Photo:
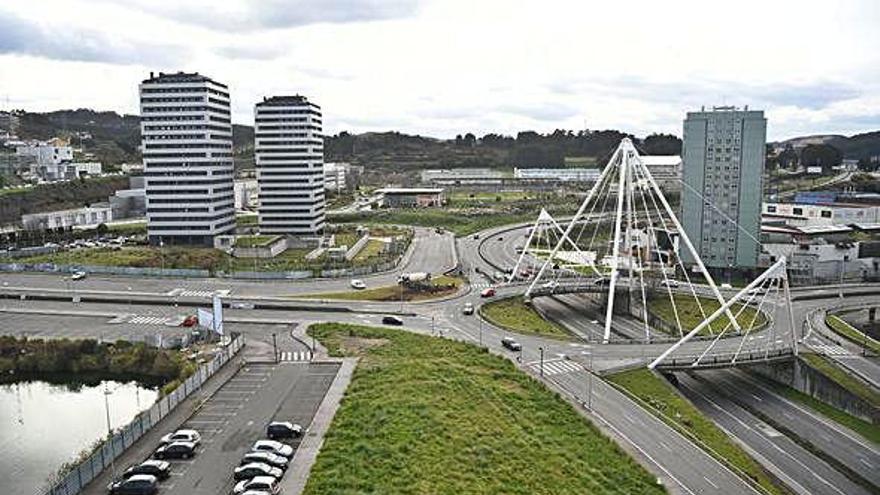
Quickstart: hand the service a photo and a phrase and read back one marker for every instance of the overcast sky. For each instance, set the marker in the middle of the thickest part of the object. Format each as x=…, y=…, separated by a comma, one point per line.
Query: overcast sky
x=443, y=67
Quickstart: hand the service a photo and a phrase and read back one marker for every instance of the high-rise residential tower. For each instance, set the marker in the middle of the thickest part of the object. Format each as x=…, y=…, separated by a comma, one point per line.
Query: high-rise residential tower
x=723, y=162
x=289, y=152
x=186, y=141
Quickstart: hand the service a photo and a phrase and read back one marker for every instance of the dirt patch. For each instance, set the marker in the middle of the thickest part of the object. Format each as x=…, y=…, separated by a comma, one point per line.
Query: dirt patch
x=356, y=346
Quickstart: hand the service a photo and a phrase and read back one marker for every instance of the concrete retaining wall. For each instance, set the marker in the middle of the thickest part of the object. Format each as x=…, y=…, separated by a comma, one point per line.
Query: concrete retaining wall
x=801, y=376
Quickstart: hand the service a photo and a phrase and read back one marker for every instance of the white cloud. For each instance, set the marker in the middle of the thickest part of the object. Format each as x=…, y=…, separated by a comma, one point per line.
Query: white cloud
x=443, y=67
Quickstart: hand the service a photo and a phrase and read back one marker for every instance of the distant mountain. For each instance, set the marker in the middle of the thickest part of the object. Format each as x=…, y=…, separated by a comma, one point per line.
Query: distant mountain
x=114, y=138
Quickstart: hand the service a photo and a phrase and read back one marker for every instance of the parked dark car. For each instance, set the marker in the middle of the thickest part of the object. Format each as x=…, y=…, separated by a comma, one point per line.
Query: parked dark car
x=176, y=450
x=392, y=320
x=269, y=458
x=255, y=469
x=160, y=469
x=511, y=344
x=283, y=429
x=139, y=484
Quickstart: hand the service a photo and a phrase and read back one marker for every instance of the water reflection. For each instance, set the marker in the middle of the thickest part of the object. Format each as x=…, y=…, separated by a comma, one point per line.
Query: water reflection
x=43, y=425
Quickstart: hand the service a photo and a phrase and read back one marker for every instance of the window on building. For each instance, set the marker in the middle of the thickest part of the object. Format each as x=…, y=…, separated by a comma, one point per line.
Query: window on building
x=826, y=213
x=797, y=211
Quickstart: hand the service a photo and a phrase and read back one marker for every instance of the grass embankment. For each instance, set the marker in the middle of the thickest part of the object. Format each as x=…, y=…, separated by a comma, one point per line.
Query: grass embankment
x=842, y=378
x=868, y=430
x=215, y=260
x=512, y=313
x=430, y=415
x=250, y=241
x=30, y=358
x=372, y=249
x=676, y=411
x=440, y=286
x=690, y=316
x=851, y=333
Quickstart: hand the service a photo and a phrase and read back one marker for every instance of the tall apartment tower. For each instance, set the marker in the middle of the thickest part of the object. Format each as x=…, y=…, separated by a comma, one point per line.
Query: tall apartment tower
x=723, y=164
x=186, y=141
x=289, y=151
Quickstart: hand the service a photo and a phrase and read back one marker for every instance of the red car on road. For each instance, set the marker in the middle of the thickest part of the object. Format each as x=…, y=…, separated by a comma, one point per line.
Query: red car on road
x=190, y=321
x=487, y=292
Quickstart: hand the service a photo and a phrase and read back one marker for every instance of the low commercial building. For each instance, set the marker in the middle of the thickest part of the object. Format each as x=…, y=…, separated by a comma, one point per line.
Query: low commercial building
x=558, y=174
x=399, y=197
x=246, y=194
x=817, y=214
x=78, y=217
x=462, y=177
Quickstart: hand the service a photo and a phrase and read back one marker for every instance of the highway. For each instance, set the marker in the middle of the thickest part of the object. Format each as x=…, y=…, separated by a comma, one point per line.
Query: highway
x=800, y=469
x=831, y=440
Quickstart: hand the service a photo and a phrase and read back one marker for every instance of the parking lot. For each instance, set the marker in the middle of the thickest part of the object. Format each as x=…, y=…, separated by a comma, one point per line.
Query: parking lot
x=237, y=415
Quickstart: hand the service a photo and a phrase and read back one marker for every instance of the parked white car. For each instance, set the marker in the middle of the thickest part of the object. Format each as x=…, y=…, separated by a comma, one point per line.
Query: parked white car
x=191, y=436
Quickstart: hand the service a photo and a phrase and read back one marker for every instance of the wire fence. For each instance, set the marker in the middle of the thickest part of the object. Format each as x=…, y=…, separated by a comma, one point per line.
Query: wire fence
x=74, y=480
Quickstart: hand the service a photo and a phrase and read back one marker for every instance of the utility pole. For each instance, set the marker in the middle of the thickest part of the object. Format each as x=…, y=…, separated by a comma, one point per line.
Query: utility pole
x=274, y=348
x=481, y=332
x=840, y=284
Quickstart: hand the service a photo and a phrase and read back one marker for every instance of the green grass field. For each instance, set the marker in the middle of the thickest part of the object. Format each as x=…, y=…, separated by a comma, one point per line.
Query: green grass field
x=851, y=333
x=514, y=314
x=443, y=284
x=690, y=316
x=426, y=415
x=665, y=402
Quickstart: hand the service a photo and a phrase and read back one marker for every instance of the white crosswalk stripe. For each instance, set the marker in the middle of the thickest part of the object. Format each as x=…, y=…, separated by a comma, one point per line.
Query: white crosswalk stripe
x=294, y=356
x=556, y=367
x=183, y=292
x=148, y=320
x=833, y=350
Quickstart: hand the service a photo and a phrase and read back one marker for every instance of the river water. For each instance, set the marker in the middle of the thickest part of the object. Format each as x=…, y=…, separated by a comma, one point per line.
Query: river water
x=44, y=425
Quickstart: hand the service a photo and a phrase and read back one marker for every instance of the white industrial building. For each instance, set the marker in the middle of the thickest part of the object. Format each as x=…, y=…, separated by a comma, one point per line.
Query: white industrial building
x=666, y=171
x=289, y=152
x=87, y=216
x=246, y=192
x=186, y=134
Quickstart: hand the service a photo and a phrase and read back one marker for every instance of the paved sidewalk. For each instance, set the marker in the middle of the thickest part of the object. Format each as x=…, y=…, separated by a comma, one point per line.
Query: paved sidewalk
x=294, y=482
x=144, y=447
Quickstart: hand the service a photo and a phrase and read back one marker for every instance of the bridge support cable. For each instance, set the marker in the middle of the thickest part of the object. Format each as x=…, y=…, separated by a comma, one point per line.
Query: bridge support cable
x=573, y=222
x=745, y=336
x=667, y=282
x=690, y=247
x=773, y=271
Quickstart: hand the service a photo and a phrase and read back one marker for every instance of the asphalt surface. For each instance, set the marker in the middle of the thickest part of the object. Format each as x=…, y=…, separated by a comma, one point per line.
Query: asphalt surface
x=800, y=469
x=237, y=415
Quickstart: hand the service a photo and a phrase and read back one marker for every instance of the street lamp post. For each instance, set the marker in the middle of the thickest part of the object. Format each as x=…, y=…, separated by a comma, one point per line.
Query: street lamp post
x=541, y=349
x=129, y=297
x=110, y=430
x=481, y=332
x=274, y=348
x=840, y=283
